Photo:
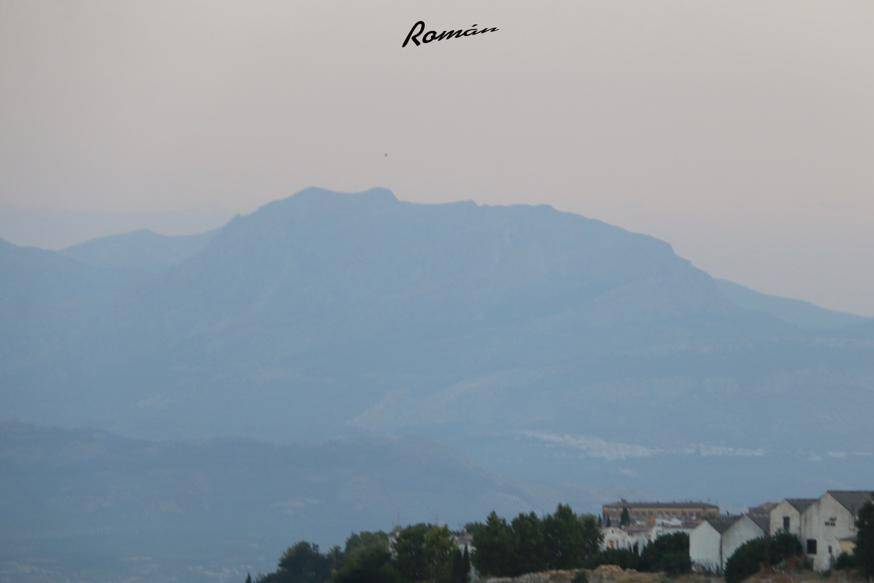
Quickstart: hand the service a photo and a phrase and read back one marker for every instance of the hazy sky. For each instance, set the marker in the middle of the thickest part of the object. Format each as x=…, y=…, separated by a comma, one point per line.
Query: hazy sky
x=741, y=131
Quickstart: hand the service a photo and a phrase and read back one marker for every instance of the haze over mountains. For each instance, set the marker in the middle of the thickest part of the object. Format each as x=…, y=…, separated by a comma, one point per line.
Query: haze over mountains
x=578, y=360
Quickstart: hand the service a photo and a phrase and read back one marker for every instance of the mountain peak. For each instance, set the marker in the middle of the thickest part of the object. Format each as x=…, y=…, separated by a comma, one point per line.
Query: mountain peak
x=375, y=194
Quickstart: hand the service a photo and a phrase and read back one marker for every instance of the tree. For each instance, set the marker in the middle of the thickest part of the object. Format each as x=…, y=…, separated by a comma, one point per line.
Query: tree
x=409, y=547
x=424, y=553
x=667, y=554
x=248, y=578
x=364, y=539
x=782, y=546
x=625, y=519
x=493, y=544
x=460, y=566
x=750, y=556
x=369, y=564
x=865, y=539
x=303, y=563
x=356, y=543
x=746, y=561
x=439, y=549
x=571, y=540
x=530, y=554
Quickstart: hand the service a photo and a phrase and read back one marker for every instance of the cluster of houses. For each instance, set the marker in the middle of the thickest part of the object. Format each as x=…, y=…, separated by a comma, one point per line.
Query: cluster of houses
x=826, y=526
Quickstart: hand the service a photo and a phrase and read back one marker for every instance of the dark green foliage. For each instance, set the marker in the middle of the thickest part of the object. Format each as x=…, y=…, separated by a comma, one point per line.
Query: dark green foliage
x=845, y=562
x=580, y=577
x=369, y=564
x=667, y=554
x=409, y=547
x=365, y=539
x=466, y=564
x=625, y=519
x=571, y=540
x=428, y=553
x=423, y=552
x=752, y=555
x=865, y=539
x=460, y=566
x=529, y=543
x=783, y=545
x=493, y=542
x=625, y=558
x=562, y=540
x=746, y=561
x=303, y=563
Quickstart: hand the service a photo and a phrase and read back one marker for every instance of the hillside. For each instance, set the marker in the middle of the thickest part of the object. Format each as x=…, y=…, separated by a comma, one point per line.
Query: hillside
x=521, y=335
x=85, y=505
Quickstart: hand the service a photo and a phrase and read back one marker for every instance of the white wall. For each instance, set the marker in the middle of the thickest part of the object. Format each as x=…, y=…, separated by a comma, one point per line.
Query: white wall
x=826, y=522
x=741, y=531
x=704, y=548
x=776, y=518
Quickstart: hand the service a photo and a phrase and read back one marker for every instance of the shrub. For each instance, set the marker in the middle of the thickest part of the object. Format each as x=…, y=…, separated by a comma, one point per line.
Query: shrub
x=750, y=556
x=746, y=561
x=580, y=577
x=668, y=554
x=845, y=562
x=625, y=558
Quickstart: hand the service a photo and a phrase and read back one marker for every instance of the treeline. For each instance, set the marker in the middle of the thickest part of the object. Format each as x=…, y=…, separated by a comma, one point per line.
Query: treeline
x=421, y=552
x=430, y=553
x=530, y=543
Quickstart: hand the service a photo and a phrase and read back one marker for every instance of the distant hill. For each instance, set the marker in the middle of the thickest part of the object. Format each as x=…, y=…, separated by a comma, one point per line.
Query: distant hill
x=84, y=505
x=139, y=251
x=547, y=346
x=800, y=313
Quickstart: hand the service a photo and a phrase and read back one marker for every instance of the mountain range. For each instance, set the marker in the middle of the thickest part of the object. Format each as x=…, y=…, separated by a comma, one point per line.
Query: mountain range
x=574, y=358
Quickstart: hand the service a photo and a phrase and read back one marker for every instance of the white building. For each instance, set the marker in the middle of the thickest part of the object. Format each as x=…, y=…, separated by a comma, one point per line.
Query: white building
x=713, y=541
x=786, y=516
x=624, y=538
x=828, y=527
x=745, y=529
x=705, y=543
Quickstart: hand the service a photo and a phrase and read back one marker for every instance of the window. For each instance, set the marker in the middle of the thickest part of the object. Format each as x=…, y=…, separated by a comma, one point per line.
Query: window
x=811, y=546
x=786, y=523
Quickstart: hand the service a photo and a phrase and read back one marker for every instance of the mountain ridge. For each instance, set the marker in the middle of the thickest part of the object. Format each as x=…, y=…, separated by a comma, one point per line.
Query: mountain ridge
x=326, y=313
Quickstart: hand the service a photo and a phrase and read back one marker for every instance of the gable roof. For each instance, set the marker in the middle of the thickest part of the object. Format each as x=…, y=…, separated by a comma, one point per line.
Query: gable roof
x=723, y=522
x=800, y=504
x=682, y=504
x=763, y=521
x=852, y=500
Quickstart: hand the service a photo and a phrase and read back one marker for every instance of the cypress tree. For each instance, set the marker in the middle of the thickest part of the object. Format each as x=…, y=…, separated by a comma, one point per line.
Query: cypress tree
x=625, y=519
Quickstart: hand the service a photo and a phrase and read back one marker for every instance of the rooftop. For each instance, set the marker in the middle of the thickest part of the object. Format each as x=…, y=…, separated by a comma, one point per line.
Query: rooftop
x=680, y=504
x=852, y=500
x=800, y=504
x=723, y=522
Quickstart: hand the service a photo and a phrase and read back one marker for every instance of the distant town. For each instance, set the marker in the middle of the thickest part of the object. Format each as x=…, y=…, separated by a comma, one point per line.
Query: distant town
x=826, y=526
x=834, y=532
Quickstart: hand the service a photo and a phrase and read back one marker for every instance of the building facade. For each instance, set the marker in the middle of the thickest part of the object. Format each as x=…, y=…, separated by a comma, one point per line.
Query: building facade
x=716, y=539
x=828, y=527
x=786, y=516
x=648, y=513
